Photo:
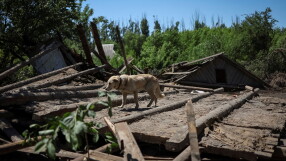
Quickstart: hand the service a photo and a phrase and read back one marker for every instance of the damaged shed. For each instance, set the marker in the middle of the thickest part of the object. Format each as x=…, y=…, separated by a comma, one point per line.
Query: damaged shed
x=214, y=71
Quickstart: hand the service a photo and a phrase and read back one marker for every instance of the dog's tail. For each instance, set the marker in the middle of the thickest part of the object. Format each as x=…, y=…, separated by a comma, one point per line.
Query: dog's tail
x=158, y=93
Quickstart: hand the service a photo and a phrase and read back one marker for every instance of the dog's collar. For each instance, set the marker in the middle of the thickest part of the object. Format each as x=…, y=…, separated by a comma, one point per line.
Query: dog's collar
x=119, y=83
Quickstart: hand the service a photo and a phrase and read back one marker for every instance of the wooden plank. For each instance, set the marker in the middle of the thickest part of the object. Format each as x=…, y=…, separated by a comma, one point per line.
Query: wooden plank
x=85, y=45
x=191, y=152
x=22, y=98
x=193, y=136
x=128, y=142
x=36, y=78
x=14, y=146
x=179, y=140
x=176, y=73
x=97, y=41
x=69, y=77
x=29, y=61
x=211, y=85
x=9, y=130
x=58, y=110
x=186, y=87
x=122, y=49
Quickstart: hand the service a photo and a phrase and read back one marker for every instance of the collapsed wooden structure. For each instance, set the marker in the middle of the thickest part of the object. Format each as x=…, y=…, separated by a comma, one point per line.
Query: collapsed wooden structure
x=216, y=122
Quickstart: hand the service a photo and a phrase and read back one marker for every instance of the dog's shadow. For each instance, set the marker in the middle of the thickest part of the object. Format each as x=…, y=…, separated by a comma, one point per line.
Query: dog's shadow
x=131, y=109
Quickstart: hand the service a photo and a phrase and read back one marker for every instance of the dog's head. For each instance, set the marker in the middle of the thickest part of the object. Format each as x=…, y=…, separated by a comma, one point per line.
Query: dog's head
x=112, y=83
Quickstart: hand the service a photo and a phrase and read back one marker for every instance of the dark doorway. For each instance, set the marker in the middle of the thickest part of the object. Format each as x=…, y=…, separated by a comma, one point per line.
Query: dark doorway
x=220, y=76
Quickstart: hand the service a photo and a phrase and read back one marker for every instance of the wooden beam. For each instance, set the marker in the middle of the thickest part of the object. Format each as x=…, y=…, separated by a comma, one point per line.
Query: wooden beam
x=36, y=78
x=63, y=88
x=122, y=49
x=180, y=141
x=97, y=41
x=29, y=61
x=187, y=87
x=9, y=130
x=22, y=98
x=69, y=77
x=85, y=45
x=128, y=142
x=14, y=146
x=217, y=85
x=59, y=110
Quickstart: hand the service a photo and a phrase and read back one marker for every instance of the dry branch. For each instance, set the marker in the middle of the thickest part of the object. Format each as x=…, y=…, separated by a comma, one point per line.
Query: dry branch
x=34, y=79
x=179, y=141
x=18, y=66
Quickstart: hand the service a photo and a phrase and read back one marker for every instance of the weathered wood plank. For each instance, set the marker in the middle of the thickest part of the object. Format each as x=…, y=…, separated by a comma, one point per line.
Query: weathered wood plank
x=58, y=110
x=85, y=45
x=179, y=141
x=22, y=98
x=69, y=77
x=36, y=78
x=128, y=142
x=122, y=49
x=187, y=87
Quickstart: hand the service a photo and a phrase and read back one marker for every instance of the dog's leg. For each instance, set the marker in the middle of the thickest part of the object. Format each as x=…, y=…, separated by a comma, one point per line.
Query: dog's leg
x=136, y=99
x=124, y=95
x=152, y=98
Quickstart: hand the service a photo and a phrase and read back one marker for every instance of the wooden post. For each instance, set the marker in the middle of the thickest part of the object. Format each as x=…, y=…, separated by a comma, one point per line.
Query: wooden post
x=122, y=49
x=193, y=136
x=29, y=61
x=97, y=40
x=85, y=45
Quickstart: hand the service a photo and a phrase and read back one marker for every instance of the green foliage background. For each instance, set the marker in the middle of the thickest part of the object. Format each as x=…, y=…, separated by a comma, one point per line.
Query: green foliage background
x=255, y=41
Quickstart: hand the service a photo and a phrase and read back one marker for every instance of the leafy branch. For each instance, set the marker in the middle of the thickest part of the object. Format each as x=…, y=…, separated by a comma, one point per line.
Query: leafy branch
x=72, y=126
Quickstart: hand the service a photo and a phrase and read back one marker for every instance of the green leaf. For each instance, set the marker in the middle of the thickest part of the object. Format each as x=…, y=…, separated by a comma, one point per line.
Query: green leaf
x=95, y=138
x=34, y=126
x=41, y=145
x=74, y=141
x=91, y=114
x=25, y=133
x=46, y=132
x=93, y=131
x=79, y=128
x=103, y=103
x=101, y=93
x=111, y=95
x=51, y=150
x=67, y=134
x=90, y=106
